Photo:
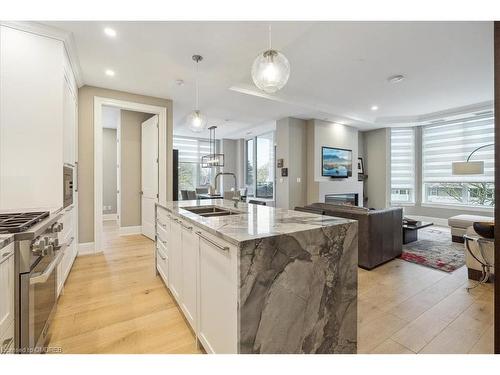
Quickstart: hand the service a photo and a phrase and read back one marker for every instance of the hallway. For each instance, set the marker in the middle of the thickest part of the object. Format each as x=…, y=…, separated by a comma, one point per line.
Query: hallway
x=114, y=303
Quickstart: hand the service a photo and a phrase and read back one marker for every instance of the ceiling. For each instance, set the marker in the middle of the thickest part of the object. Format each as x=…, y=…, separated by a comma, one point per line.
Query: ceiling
x=339, y=70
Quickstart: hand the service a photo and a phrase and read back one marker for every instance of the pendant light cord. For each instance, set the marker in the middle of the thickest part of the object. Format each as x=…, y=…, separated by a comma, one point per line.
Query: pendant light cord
x=270, y=39
x=196, y=87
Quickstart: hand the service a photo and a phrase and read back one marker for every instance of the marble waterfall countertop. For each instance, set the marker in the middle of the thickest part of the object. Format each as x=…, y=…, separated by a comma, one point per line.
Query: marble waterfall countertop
x=296, y=276
x=253, y=221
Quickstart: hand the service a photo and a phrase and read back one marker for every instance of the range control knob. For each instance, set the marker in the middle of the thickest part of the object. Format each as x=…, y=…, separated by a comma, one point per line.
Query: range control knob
x=54, y=242
x=56, y=227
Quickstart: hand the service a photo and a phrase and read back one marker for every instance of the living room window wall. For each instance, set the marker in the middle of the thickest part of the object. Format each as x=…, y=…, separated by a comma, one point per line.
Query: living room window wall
x=402, y=166
x=450, y=141
x=259, y=161
x=191, y=174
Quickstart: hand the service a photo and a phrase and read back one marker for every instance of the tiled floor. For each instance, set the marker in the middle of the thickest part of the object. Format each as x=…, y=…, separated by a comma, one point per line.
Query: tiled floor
x=407, y=308
x=115, y=303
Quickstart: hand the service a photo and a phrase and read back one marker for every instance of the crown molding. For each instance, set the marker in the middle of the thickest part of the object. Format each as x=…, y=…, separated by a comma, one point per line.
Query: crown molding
x=54, y=33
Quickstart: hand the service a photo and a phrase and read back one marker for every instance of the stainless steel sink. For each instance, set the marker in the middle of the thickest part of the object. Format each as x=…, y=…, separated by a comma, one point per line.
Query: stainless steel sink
x=210, y=211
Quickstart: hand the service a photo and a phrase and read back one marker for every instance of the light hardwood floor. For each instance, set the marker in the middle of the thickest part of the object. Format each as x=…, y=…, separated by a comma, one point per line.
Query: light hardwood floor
x=115, y=303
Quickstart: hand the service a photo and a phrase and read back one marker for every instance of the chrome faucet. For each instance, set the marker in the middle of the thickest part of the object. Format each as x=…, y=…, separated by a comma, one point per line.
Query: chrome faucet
x=226, y=174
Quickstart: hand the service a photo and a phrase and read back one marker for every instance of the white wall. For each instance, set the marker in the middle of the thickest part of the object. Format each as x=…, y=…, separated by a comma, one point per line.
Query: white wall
x=291, y=146
x=377, y=167
x=109, y=172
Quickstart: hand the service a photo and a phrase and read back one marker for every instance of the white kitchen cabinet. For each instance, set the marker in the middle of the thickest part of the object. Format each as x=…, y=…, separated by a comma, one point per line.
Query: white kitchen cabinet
x=31, y=120
x=162, y=262
x=217, y=294
x=189, y=273
x=69, y=123
x=68, y=245
x=175, y=260
x=6, y=290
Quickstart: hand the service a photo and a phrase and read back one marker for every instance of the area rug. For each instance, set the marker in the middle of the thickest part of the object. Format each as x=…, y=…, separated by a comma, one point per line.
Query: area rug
x=435, y=249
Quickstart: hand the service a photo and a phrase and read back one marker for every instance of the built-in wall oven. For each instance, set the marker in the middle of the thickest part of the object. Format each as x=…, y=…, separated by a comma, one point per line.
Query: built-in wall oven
x=68, y=185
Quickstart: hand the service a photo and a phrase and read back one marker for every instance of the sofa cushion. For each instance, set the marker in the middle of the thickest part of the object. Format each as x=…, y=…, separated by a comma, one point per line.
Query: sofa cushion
x=465, y=221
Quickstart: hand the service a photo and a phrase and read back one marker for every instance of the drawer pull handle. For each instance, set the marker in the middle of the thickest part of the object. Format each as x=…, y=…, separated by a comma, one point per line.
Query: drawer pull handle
x=162, y=224
x=161, y=255
x=70, y=241
x=6, y=345
x=223, y=248
x=6, y=256
x=187, y=226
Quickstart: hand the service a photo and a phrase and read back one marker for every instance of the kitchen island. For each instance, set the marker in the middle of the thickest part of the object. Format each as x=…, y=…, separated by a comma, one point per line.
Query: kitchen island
x=256, y=279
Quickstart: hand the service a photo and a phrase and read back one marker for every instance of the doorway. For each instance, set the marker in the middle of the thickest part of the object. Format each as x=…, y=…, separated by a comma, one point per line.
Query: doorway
x=142, y=150
x=130, y=172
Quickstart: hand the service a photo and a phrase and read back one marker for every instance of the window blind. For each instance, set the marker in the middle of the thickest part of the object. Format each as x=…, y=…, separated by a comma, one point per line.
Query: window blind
x=403, y=159
x=451, y=141
x=191, y=149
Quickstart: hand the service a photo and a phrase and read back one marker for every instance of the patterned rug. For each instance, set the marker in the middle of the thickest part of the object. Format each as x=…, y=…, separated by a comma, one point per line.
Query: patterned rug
x=435, y=249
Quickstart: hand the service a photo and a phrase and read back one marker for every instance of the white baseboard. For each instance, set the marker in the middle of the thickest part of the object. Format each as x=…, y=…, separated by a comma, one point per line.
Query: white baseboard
x=436, y=220
x=109, y=217
x=125, y=231
x=86, y=248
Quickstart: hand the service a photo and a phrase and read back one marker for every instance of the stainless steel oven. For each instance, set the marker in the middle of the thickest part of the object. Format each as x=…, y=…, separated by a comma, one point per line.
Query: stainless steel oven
x=68, y=185
x=37, y=255
x=38, y=301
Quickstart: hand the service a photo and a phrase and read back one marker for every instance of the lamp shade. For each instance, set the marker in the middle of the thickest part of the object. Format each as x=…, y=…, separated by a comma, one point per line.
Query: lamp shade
x=270, y=71
x=467, y=167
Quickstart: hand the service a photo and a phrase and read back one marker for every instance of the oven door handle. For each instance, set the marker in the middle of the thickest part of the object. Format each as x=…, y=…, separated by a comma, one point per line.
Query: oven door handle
x=44, y=276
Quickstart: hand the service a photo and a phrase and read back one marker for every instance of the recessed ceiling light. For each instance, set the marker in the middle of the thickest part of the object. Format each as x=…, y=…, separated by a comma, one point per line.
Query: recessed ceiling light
x=374, y=107
x=396, y=78
x=110, y=32
x=110, y=73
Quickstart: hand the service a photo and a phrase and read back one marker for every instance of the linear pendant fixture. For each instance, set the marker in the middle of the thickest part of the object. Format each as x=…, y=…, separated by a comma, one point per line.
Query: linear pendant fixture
x=270, y=69
x=196, y=121
x=213, y=159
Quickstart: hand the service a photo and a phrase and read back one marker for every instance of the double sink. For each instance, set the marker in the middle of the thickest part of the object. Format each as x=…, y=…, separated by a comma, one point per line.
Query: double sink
x=211, y=211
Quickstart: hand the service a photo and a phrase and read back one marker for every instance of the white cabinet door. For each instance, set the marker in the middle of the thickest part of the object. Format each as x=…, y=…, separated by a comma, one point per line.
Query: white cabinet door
x=175, y=260
x=31, y=119
x=217, y=295
x=69, y=123
x=149, y=175
x=189, y=273
x=6, y=287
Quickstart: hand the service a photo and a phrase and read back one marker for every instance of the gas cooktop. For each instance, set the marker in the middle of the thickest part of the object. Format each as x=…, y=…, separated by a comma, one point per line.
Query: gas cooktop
x=20, y=222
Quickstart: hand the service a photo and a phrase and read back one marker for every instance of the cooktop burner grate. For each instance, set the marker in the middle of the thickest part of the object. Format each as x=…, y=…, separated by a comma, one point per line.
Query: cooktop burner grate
x=19, y=222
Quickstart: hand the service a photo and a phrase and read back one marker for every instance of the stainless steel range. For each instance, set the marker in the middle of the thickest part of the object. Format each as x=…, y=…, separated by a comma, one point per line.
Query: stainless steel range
x=37, y=254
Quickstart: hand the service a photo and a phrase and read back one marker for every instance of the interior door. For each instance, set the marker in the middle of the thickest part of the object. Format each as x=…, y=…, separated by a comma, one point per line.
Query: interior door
x=149, y=174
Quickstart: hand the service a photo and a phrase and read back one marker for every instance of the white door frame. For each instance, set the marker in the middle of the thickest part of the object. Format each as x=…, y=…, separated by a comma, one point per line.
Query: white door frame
x=162, y=150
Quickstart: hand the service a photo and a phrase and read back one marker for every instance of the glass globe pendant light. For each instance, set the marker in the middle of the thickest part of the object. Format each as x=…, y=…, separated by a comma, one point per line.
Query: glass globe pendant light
x=270, y=69
x=196, y=121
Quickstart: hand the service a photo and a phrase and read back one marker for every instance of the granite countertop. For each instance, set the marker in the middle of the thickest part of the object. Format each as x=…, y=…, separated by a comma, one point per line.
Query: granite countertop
x=6, y=239
x=254, y=221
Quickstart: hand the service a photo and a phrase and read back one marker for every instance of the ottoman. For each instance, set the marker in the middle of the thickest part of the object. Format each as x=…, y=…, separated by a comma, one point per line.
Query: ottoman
x=460, y=223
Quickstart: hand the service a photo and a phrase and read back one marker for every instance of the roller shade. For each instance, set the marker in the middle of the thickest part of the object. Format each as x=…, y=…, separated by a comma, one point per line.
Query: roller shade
x=191, y=149
x=403, y=158
x=452, y=141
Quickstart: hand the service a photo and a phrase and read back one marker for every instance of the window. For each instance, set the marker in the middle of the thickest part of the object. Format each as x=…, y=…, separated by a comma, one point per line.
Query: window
x=454, y=141
x=250, y=167
x=265, y=166
x=260, y=166
x=191, y=174
x=403, y=166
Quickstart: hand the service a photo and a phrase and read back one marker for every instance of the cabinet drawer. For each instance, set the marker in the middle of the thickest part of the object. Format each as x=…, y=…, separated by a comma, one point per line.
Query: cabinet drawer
x=162, y=234
x=162, y=215
x=7, y=340
x=67, y=221
x=163, y=246
x=162, y=264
